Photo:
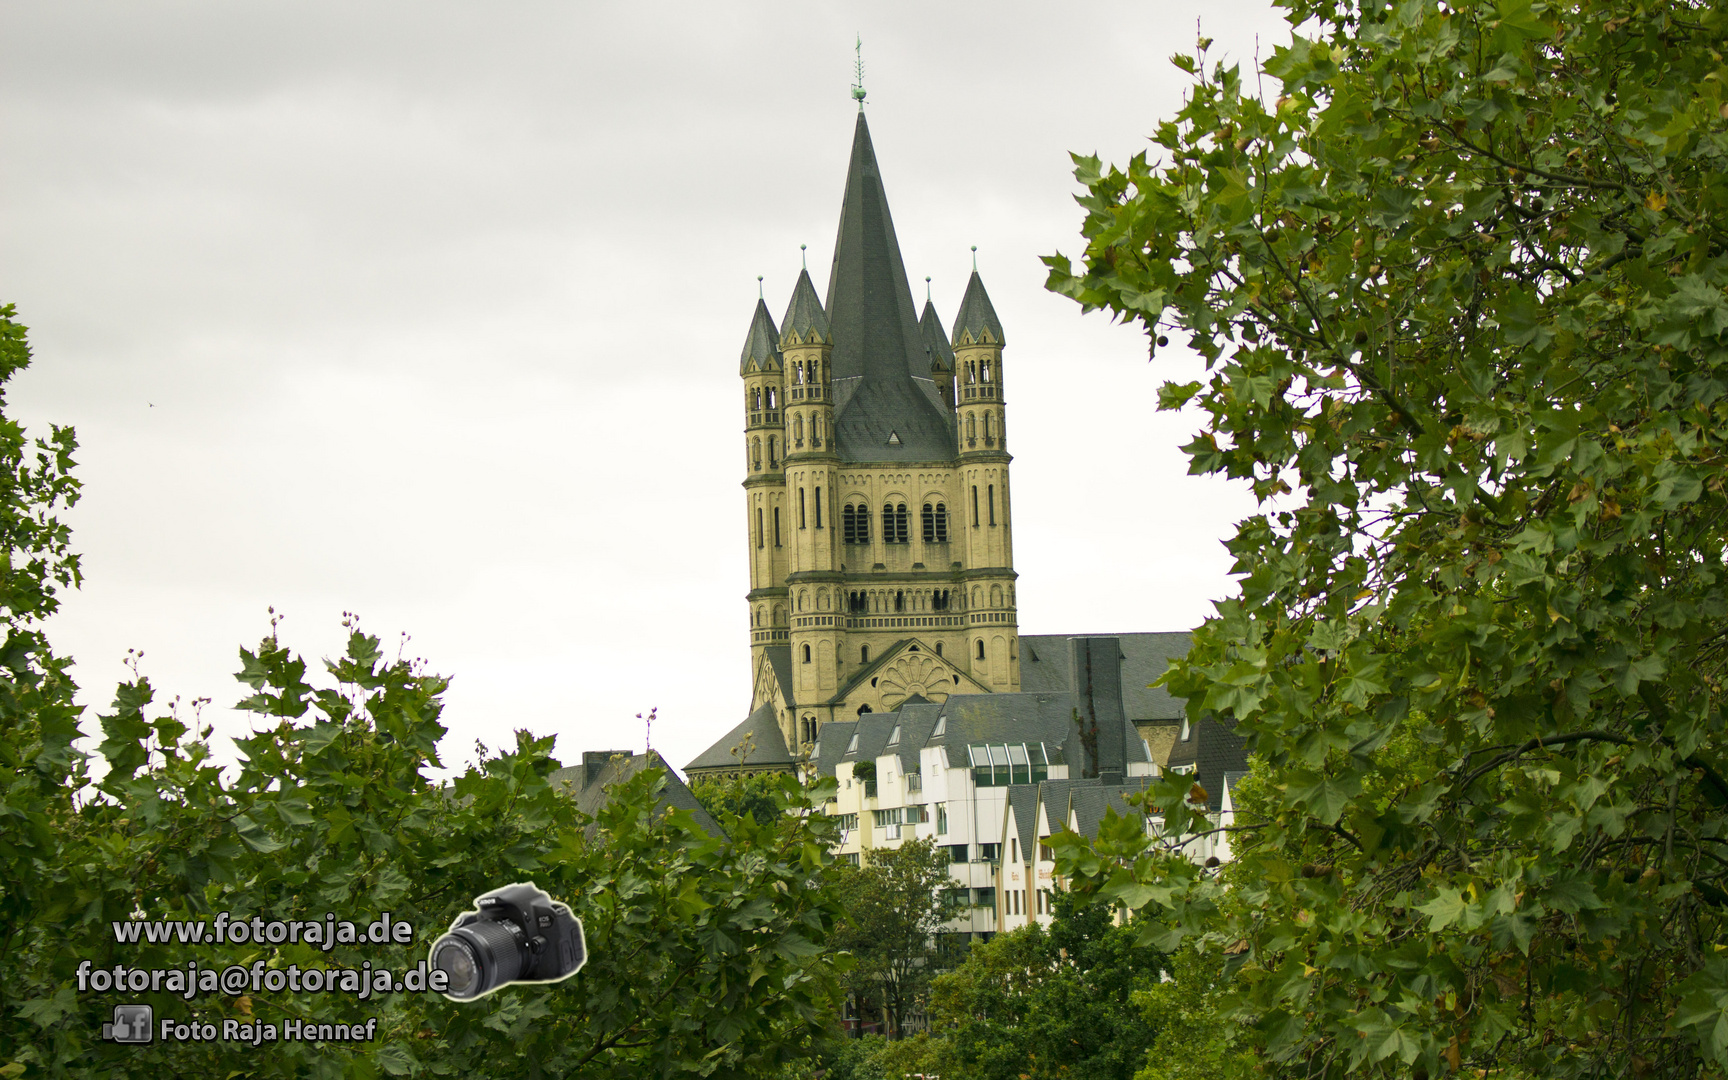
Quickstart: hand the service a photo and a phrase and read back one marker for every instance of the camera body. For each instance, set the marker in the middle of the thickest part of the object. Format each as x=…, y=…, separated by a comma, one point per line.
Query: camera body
x=514, y=934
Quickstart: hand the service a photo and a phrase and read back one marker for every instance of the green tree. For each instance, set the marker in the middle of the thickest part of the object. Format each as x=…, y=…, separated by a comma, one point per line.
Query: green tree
x=756, y=794
x=706, y=956
x=1045, y=1004
x=1458, y=281
x=894, y=903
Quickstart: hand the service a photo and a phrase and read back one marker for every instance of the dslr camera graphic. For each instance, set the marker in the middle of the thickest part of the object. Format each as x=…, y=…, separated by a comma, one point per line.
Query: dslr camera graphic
x=516, y=934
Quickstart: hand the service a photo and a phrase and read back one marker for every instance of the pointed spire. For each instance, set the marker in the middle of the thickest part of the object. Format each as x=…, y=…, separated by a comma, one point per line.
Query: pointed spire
x=935, y=341
x=762, y=347
x=805, y=321
x=881, y=370
x=977, y=320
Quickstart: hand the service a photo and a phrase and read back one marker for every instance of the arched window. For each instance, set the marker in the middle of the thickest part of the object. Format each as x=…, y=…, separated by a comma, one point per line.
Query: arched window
x=980, y=650
x=971, y=427
x=758, y=526
x=941, y=523
x=849, y=524
x=801, y=597
x=776, y=526
x=801, y=509
x=901, y=534
x=971, y=372
x=992, y=504
x=756, y=453
x=807, y=648
x=798, y=371
x=772, y=397
x=938, y=648
x=989, y=433
x=899, y=600
x=756, y=399
x=797, y=431
x=862, y=709
x=974, y=488
x=984, y=369
x=863, y=524
x=928, y=519
x=863, y=654
x=774, y=464
x=816, y=431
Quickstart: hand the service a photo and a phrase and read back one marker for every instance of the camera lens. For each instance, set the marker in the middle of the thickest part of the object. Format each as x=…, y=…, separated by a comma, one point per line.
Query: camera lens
x=478, y=957
x=455, y=958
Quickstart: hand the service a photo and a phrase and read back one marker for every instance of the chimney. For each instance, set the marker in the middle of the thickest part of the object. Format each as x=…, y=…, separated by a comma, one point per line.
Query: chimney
x=1097, y=668
x=594, y=762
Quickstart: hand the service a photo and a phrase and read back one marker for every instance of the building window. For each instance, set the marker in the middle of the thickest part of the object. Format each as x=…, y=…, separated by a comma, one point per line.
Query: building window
x=862, y=709
x=797, y=431
x=938, y=648
x=941, y=523
x=772, y=398
x=980, y=648
x=988, y=853
x=984, y=370
x=992, y=504
x=756, y=454
x=758, y=526
x=776, y=521
x=939, y=602
x=801, y=509
x=818, y=506
x=806, y=654
x=974, y=489
x=894, y=529
x=773, y=463
x=899, y=600
x=756, y=399
x=894, y=736
x=863, y=654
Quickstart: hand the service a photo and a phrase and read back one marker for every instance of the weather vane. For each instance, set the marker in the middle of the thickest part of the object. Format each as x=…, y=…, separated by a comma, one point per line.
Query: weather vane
x=858, y=87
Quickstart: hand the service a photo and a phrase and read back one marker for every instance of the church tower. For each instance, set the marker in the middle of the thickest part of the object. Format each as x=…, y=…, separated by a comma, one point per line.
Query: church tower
x=876, y=491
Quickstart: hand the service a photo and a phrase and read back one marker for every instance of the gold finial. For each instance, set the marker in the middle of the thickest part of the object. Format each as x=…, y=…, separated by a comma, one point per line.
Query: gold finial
x=858, y=87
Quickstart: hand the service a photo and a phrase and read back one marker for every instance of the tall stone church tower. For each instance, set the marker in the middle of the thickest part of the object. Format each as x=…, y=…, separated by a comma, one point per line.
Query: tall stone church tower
x=878, y=514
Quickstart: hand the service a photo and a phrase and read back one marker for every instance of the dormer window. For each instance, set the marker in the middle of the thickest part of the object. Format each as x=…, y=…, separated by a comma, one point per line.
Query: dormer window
x=852, y=747
x=1185, y=731
x=941, y=726
x=894, y=736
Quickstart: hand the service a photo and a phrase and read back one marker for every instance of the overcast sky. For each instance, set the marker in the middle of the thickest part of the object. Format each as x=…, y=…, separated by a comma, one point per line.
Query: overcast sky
x=431, y=312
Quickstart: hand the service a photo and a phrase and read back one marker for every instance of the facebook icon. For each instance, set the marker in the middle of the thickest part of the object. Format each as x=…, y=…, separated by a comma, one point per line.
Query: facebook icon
x=132, y=1024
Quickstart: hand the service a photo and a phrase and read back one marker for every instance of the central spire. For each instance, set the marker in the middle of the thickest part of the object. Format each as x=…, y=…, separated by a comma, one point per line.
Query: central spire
x=881, y=370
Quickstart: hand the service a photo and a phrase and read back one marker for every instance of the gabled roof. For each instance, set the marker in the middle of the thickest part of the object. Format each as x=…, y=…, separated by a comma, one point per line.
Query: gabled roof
x=976, y=320
x=762, y=345
x=881, y=373
x=935, y=341
x=588, y=782
x=780, y=659
x=1022, y=811
x=1089, y=803
x=767, y=745
x=805, y=322
x=1045, y=667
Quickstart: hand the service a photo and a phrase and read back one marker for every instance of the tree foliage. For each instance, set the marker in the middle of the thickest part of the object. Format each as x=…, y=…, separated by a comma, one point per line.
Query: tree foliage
x=1043, y=1004
x=1460, y=292
x=756, y=794
x=894, y=903
x=706, y=956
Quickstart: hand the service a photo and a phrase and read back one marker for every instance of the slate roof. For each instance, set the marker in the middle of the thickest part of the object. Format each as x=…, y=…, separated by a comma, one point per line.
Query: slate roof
x=768, y=746
x=805, y=320
x=587, y=783
x=887, y=408
x=762, y=345
x=1214, y=750
x=976, y=319
x=1023, y=805
x=1089, y=803
x=936, y=345
x=1045, y=666
x=780, y=659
